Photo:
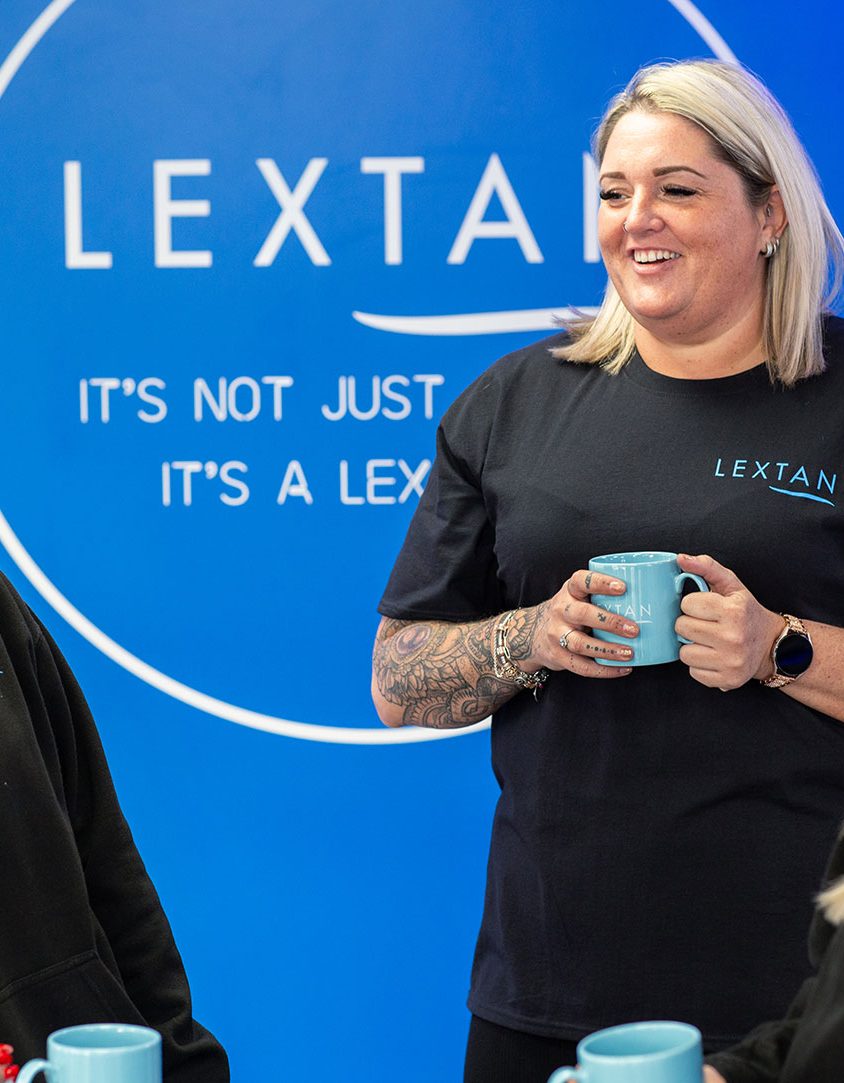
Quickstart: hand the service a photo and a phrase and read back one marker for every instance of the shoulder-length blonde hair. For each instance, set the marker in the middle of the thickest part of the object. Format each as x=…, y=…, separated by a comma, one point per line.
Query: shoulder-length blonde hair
x=752, y=133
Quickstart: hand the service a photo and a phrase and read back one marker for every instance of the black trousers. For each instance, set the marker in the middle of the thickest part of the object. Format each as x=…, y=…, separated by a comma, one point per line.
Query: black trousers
x=497, y=1054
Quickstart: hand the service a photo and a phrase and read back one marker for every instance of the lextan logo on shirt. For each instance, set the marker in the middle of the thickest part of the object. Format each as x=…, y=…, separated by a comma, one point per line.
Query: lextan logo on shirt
x=786, y=478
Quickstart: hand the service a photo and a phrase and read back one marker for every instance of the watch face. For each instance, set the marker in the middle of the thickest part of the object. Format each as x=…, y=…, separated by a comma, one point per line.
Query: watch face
x=794, y=654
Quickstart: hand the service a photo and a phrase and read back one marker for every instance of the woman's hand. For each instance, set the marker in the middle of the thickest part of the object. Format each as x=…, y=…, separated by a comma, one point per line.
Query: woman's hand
x=560, y=629
x=731, y=632
x=711, y=1076
x=444, y=675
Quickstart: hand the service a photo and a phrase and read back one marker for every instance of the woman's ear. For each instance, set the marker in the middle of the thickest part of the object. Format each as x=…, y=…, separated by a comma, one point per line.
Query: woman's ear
x=774, y=219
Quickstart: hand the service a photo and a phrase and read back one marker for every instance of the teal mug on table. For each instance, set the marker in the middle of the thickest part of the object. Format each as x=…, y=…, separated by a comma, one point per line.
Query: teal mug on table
x=658, y=1052
x=652, y=599
x=99, y=1053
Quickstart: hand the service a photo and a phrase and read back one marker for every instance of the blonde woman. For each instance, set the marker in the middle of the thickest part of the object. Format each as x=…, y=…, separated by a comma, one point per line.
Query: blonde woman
x=656, y=843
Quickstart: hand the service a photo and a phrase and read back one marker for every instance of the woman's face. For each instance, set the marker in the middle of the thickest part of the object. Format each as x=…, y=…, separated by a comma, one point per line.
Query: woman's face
x=689, y=267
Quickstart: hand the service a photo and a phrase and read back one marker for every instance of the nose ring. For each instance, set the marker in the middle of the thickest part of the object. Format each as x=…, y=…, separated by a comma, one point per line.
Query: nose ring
x=624, y=227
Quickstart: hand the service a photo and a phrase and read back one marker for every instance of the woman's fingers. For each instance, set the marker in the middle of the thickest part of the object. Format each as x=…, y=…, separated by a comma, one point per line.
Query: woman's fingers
x=609, y=617
x=578, y=642
x=586, y=667
x=697, y=631
x=713, y=668
x=584, y=583
x=593, y=616
x=569, y=642
x=705, y=605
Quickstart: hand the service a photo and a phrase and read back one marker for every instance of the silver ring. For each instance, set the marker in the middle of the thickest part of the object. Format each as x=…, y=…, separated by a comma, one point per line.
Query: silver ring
x=564, y=639
x=624, y=227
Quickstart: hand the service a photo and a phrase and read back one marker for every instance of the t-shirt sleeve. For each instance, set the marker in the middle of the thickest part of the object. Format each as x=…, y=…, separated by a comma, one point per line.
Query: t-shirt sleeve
x=446, y=569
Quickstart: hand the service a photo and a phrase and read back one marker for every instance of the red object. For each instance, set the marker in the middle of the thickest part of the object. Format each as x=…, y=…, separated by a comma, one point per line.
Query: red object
x=6, y=1053
x=11, y=1071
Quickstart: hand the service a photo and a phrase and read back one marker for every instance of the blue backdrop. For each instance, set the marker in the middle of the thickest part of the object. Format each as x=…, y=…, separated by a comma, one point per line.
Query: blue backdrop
x=251, y=252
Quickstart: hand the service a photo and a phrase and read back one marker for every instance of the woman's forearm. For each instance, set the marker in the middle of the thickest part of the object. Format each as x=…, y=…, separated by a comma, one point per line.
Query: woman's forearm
x=442, y=675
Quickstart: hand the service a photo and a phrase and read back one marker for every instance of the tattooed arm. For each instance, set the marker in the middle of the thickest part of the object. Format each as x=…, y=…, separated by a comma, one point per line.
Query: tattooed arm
x=442, y=675
x=432, y=673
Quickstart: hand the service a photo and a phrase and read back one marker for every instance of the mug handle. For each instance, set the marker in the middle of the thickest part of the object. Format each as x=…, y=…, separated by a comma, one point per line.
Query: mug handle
x=678, y=586
x=32, y=1068
x=563, y=1074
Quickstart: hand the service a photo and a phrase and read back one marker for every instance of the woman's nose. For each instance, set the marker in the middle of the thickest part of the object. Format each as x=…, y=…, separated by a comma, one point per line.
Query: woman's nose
x=641, y=215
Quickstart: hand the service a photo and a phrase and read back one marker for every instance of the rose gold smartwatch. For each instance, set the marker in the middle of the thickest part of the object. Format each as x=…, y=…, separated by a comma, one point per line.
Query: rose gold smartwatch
x=791, y=653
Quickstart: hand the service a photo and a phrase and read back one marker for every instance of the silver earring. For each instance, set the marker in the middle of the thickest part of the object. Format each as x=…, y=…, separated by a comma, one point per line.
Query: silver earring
x=771, y=248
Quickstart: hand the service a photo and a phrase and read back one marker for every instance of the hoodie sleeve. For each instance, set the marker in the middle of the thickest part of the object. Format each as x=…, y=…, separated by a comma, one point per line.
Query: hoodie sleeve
x=97, y=945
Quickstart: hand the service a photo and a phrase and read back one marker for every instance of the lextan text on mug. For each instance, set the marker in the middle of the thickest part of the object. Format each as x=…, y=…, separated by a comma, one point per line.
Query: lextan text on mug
x=659, y=1052
x=99, y=1053
x=652, y=599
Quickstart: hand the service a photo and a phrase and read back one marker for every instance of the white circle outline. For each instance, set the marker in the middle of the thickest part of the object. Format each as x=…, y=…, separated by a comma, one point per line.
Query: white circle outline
x=230, y=712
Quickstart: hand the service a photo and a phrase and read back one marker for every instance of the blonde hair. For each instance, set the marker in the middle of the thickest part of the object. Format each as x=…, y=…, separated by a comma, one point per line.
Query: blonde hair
x=831, y=901
x=751, y=133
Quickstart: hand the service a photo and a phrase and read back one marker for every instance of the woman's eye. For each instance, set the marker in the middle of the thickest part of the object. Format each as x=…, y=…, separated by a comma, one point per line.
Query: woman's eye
x=677, y=190
x=611, y=195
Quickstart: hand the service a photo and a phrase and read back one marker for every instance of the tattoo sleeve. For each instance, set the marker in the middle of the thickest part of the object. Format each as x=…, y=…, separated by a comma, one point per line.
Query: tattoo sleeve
x=442, y=675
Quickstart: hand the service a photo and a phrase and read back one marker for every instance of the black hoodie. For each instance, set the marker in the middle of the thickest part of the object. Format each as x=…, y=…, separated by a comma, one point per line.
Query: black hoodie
x=807, y=1045
x=83, y=937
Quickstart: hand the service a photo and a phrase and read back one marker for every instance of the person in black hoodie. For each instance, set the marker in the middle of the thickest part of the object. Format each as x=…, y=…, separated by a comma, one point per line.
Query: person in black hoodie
x=807, y=1044
x=83, y=936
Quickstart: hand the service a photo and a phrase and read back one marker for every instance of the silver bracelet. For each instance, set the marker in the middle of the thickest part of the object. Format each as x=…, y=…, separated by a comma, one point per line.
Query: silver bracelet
x=505, y=668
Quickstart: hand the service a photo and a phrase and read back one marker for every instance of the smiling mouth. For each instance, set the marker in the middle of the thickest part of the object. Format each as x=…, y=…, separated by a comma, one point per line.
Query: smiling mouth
x=653, y=255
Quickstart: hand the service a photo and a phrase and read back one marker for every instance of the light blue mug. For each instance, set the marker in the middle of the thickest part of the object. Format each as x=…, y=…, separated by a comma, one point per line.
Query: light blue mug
x=660, y=1052
x=652, y=599
x=99, y=1053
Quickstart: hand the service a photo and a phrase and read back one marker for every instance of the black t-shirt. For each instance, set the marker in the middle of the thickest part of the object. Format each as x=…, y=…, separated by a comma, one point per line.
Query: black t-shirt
x=656, y=845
